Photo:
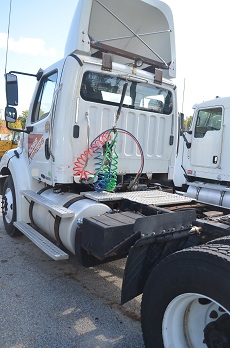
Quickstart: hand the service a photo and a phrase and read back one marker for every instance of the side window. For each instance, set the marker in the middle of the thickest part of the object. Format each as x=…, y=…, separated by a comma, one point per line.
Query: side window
x=208, y=120
x=44, y=97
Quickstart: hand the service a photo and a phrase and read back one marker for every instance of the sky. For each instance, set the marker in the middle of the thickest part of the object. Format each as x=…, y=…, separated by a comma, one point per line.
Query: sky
x=39, y=29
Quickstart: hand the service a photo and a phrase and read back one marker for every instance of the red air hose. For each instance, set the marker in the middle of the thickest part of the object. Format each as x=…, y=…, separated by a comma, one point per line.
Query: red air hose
x=82, y=160
x=98, y=143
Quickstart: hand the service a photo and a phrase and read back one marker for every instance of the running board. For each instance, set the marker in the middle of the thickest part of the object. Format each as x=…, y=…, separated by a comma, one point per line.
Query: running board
x=42, y=242
x=51, y=206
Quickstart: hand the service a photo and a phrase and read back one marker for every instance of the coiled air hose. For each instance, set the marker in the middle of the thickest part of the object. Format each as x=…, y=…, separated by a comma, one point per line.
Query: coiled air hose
x=107, y=163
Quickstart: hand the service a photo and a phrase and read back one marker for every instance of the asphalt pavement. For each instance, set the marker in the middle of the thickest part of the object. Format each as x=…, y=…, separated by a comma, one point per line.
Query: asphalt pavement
x=53, y=304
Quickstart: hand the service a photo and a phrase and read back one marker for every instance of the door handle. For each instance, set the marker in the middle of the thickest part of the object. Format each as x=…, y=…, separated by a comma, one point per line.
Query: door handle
x=47, y=150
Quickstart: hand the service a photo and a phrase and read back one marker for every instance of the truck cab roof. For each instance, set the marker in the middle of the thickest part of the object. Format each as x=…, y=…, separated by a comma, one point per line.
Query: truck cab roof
x=103, y=26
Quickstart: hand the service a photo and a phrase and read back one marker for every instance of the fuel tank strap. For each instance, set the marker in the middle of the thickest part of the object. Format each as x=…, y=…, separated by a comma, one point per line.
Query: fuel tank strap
x=58, y=218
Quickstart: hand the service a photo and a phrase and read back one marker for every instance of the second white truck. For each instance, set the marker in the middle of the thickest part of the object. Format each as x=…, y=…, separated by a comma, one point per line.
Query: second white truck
x=202, y=166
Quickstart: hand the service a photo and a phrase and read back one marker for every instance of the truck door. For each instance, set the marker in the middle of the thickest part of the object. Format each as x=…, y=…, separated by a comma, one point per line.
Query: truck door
x=39, y=156
x=207, y=138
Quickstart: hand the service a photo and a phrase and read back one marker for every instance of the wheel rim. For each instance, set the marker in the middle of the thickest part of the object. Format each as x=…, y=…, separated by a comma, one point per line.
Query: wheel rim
x=185, y=319
x=7, y=206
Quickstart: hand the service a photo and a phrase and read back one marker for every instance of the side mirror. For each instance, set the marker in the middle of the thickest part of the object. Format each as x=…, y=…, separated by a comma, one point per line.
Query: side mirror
x=10, y=114
x=181, y=122
x=11, y=89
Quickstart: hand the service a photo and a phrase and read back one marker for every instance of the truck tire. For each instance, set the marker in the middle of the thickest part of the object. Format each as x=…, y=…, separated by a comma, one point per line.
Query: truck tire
x=9, y=207
x=222, y=240
x=186, y=300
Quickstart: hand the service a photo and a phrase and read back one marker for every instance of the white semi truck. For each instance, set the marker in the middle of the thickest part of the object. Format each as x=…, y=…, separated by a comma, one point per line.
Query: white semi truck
x=202, y=167
x=102, y=130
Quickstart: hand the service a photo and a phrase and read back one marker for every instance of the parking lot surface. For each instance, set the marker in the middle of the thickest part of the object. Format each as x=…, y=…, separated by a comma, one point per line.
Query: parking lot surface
x=46, y=303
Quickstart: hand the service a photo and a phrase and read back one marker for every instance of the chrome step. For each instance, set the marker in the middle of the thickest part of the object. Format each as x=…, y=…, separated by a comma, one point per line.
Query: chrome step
x=51, y=206
x=42, y=242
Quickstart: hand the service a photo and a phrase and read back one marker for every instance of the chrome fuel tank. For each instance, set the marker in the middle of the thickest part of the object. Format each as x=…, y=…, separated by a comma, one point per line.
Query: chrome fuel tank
x=65, y=229
x=214, y=194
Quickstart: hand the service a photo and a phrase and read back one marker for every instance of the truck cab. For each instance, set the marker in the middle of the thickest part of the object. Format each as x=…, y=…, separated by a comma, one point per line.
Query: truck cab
x=202, y=163
x=119, y=78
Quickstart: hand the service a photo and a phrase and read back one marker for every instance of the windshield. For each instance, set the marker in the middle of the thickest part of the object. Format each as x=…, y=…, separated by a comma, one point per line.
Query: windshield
x=107, y=89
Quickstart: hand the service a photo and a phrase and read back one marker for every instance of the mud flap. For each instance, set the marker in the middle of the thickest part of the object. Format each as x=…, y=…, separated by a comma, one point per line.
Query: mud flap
x=161, y=235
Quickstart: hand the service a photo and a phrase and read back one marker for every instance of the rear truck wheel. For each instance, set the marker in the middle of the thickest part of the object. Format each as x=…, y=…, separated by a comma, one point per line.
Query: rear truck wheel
x=186, y=302
x=9, y=207
x=222, y=240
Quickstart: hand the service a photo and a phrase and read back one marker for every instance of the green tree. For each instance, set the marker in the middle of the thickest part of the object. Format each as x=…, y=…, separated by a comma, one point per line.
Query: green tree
x=22, y=118
x=187, y=123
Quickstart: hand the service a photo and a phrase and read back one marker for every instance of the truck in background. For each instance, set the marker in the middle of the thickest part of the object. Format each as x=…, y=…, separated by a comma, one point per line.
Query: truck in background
x=202, y=167
x=101, y=131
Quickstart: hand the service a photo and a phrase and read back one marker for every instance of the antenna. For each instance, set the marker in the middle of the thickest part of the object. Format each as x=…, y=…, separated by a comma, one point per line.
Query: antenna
x=183, y=97
x=8, y=35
